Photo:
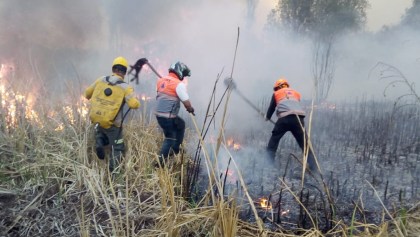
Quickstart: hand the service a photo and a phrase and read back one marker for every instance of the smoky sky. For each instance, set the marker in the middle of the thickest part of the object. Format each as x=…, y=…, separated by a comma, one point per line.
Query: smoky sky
x=202, y=34
x=52, y=24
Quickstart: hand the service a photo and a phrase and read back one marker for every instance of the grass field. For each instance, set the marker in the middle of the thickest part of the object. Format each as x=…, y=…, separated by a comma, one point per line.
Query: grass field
x=52, y=184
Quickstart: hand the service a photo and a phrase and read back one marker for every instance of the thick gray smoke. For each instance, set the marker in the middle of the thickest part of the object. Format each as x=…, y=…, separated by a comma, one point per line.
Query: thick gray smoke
x=53, y=25
x=43, y=39
x=55, y=41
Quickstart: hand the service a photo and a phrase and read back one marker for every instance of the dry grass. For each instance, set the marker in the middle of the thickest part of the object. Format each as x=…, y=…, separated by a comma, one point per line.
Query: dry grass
x=52, y=184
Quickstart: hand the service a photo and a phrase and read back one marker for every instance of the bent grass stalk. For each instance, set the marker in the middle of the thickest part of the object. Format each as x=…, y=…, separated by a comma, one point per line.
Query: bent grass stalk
x=56, y=174
x=251, y=203
x=400, y=232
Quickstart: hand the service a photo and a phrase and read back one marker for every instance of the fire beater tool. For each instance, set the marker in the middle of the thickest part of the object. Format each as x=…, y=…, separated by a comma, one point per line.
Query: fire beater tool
x=231, y=84
x=137, y=68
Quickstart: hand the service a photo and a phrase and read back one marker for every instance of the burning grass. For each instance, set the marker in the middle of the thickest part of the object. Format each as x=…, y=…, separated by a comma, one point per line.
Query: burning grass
x=52, y=184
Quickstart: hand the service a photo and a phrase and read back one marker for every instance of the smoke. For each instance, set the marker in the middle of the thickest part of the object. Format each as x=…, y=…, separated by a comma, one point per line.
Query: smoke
x=54, y=35
x=360, y=53
x=50, y=24
x=45, y=38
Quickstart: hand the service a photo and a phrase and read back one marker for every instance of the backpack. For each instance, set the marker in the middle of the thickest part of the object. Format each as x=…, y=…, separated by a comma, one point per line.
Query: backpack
x=107, y=100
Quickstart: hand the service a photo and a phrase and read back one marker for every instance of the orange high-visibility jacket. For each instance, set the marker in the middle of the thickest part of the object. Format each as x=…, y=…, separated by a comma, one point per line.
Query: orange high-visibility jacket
x=168, y=102
x=288, y=102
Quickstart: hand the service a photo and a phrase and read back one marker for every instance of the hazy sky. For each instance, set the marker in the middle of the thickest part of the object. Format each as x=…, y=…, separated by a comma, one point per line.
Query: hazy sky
x=386, y=12
x=92, y=33
x=380, y=13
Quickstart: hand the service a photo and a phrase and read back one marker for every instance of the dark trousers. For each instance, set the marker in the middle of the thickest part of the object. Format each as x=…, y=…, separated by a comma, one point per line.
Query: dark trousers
x=294, y=124
x=114, y=138
x=173, y=129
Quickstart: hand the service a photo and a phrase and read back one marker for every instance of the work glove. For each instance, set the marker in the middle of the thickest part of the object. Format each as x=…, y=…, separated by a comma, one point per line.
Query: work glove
x=190, y=110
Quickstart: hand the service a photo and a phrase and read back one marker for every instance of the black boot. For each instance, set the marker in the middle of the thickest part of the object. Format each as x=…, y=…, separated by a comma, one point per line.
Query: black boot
x=100, y=152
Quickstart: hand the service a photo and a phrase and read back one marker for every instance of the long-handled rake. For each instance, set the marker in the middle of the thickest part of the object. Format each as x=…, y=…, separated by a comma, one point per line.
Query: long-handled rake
x=231, y=84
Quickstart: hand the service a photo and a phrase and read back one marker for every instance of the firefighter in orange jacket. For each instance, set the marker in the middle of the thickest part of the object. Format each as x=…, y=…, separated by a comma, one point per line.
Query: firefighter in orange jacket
x=286, y=103
x=109, y=98
x=171, y=91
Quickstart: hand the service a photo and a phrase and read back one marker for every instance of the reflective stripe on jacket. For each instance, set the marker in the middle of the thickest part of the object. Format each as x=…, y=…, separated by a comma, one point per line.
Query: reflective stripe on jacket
x=288, y=102
x=168, y=102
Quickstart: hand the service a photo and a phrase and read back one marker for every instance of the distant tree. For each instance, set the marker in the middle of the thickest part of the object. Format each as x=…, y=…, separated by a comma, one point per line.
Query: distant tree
x=412, y=16
x=293, y=15
x=323, y=67
x=322, y=21
x=319, y=17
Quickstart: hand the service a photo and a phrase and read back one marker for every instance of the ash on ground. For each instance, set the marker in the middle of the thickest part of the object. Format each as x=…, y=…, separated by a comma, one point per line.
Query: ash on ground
x=366, y=163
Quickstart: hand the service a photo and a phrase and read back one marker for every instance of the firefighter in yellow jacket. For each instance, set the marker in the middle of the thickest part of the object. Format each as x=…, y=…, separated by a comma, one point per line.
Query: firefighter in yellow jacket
x=110, y=100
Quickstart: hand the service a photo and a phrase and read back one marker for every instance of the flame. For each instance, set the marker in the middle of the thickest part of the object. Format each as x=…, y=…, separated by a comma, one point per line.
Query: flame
x=232, y=144
x=5, y=69
x=285, y=212
x=69, y=112
x=83, y=108
x=265, y=204
x=19, y=106
x=16, y=106
x=145, y=98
